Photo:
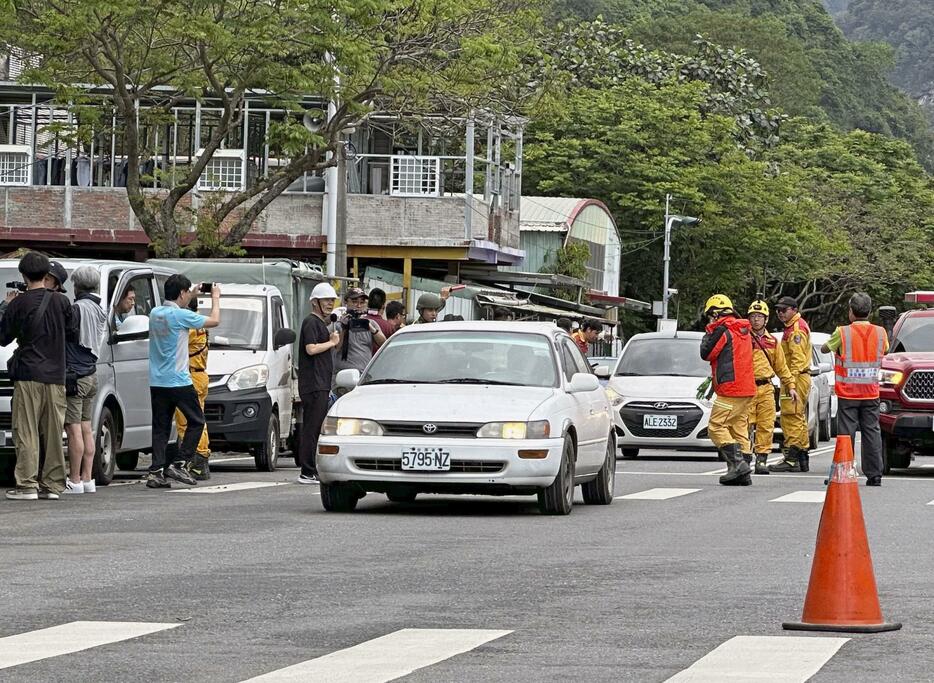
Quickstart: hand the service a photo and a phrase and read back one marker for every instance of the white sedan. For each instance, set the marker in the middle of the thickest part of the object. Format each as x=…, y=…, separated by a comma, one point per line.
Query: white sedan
x=471, y=407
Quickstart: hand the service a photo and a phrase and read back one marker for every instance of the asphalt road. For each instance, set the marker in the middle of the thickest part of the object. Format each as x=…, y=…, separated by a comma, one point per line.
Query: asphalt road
x=248, y=581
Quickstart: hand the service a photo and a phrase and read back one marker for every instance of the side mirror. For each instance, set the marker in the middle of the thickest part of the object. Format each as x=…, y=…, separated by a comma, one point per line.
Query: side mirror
x=283, y=337
x=583, y=381
x=602, y=371
x=347, y=379
x=824, y=367
x=134, y=328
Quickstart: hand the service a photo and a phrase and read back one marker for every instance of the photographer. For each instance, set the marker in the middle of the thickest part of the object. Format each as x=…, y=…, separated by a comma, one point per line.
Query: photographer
x=40, y=322
x=358, y=336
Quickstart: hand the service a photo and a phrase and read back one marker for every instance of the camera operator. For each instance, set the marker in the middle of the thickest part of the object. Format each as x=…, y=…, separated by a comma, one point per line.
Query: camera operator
x=13, y=290
x=40, y=321
x=358, y=336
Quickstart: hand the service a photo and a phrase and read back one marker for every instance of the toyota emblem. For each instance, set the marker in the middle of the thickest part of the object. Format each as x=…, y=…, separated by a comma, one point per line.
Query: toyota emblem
x=661, y=405
x=430, y=428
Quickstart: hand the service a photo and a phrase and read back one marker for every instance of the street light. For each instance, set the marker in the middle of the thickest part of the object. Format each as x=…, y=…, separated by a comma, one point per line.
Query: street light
x=670, y=220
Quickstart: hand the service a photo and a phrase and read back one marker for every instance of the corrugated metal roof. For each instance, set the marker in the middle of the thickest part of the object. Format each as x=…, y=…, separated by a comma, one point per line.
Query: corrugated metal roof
x=529, y=226
x=547, y=209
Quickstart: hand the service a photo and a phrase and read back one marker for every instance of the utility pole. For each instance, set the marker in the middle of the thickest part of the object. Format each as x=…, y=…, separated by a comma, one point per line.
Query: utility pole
x=340, y=269
x=667, y=257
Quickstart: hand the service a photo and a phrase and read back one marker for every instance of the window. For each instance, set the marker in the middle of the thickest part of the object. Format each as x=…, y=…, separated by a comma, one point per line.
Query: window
x=160, y=285
x=138, y=302
x=15, y=164
x=278, y=318
x=224, y=171
x=413, y=176
x=573, y=360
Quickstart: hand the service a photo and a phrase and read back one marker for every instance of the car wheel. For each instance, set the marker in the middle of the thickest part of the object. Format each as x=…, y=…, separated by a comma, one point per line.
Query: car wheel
x=402, y=496
x=128, y=461
x=599, y=491
x=266, y=454
x=824, y=429
x=108, y=443
x=813, y=441
x=294, y=442
x=630, y=453
x=338, y=497
x=894, y=455
x=558, y=498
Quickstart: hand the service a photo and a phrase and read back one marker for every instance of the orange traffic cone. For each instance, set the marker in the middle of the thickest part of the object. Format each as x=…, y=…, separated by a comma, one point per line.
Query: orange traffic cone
x=842, y=591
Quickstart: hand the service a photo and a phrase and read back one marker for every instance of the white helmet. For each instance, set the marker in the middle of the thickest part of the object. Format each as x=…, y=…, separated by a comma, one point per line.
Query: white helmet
x=323, y=290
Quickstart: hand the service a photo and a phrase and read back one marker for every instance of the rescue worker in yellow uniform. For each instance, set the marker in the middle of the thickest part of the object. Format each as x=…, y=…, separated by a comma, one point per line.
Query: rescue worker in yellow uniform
x=198, y=366
x=768, y=360
x=796, y=344
x=727, y=347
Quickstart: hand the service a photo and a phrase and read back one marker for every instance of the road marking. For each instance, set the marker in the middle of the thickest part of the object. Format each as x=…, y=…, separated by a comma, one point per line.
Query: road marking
x=801, y=497
x=386, y=658
x=238, y=459
x=239, y=486
x=774, y=475
x=657, y=494
x=785, y=659
x=71, y=637
x=931, y=503
x=770, y=461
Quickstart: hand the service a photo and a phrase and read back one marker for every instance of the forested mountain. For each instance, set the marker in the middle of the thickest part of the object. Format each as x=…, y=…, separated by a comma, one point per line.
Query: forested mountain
x=814, y=70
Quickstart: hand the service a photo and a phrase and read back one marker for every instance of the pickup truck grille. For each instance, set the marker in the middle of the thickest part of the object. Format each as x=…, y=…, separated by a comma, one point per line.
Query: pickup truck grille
x=920, y=386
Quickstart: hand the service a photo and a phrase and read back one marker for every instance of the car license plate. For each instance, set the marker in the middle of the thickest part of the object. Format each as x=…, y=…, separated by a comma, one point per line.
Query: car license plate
x=659, y=421
x=426, y=459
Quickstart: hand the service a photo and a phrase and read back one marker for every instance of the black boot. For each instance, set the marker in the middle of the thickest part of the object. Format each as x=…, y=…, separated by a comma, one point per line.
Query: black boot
x=790, y=462
x=804, y=461
x=762, y=463
x=748, y=458
x=199, y=468
x=737, y=471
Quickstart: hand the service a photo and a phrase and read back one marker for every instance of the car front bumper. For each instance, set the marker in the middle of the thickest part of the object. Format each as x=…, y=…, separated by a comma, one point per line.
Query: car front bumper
x=494, y=464
x=237, y=419
x=690, y=435
x=910, y=426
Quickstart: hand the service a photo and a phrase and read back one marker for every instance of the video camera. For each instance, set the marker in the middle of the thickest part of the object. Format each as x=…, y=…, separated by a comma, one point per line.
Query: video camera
x=18, y=286
x=356, y=321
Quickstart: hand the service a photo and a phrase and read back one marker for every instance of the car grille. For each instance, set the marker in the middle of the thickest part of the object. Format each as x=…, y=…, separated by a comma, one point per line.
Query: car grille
x=395, y=465
x=689, y=415
x=6, y=420
x=456, y=430
x=920, y=386
x=6, y=384
x=213, y=412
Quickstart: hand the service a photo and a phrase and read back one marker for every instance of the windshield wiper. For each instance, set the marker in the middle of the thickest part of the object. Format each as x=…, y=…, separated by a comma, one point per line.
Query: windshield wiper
x=236, y=347
x=628, y=374
x=394, y=380
x=475, y=380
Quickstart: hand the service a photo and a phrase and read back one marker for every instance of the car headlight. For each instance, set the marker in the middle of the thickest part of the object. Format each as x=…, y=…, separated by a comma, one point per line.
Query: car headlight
x=350, y=426
x=890, y=377
x=615, y=398
x=248, y=378
x=515, y=430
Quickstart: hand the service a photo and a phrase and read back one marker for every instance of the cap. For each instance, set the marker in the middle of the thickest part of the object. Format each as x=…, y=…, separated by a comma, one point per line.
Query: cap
x=354, y=293
x=787, y=302
x=57, y=270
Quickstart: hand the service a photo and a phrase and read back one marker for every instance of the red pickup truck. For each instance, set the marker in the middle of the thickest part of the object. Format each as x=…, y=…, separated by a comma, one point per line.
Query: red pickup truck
x=906, y=384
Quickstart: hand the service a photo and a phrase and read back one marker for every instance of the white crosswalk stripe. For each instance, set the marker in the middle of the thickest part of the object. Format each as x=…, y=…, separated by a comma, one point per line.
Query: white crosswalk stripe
x=71, y=637
x=777, y=659
x=386, y=658
x=225, y=488
x=657, y=494
x=801, y=497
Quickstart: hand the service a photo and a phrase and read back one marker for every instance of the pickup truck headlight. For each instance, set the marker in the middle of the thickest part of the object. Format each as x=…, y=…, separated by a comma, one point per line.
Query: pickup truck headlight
x=515, y=430
x=248, y=378
x=890, y=377
x=350, y=426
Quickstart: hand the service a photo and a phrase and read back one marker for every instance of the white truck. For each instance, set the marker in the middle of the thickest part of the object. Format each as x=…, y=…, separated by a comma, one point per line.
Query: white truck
x=253, y=402
x=122, y=419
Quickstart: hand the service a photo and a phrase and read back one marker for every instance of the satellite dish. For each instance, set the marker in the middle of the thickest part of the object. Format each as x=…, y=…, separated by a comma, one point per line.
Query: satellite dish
x=313, y=120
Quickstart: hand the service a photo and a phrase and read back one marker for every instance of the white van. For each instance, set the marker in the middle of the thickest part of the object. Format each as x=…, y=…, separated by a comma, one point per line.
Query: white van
x=122, y=417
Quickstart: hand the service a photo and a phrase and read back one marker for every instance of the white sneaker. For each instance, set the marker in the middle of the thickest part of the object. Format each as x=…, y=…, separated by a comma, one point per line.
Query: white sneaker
x=90, y=486
x=23, y=494
x=305, y=479
x=73, y=488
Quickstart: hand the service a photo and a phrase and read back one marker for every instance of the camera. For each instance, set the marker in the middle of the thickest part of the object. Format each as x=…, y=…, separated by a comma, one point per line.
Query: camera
x=206, y=287
x=18, y=286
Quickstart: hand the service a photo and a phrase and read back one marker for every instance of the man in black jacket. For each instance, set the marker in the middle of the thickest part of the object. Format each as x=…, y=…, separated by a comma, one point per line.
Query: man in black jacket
x=40, y=321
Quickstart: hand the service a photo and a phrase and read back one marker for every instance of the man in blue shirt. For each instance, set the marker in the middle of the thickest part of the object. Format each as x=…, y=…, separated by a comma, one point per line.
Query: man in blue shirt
x=170, y=384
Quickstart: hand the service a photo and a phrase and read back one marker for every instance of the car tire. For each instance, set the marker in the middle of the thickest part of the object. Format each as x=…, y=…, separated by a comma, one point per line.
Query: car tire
x=294, y=442
x=630, y=453
x=825, y=428
x=558, y=498
x=599, y=490
x=402, y=496
x=128, y=461
x=813, y=435
x=338, y=497
x=892, y=456
x=266, y=454
x=107, y=441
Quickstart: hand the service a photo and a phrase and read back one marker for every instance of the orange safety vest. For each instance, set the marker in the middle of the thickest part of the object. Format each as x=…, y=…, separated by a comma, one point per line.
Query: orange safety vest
x=858, y=361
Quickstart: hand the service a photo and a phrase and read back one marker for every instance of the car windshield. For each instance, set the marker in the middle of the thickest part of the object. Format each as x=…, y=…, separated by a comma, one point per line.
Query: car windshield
x=243, y=322
x=654, y=357
x=915, y=334
x=465, y=357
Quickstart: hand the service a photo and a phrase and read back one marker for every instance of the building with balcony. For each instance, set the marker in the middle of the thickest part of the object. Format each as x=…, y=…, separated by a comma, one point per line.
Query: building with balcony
x=414, y=193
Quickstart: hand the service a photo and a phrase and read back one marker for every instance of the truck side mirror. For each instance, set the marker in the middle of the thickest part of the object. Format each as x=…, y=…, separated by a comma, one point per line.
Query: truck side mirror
x=888, y=315
x=283, y=337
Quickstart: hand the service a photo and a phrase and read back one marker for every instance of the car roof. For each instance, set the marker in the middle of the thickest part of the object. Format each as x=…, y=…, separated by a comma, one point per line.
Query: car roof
x=680, y=334
x=244, y=290
x=482, y=326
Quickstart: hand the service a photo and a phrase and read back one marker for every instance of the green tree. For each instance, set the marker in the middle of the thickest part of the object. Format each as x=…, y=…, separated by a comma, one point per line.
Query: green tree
x=139, y=58
x=570, y=260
